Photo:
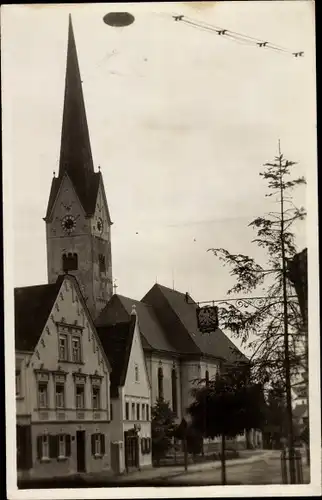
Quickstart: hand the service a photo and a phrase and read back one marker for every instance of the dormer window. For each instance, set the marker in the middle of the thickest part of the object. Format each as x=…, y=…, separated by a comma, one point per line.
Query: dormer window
x=70, y=262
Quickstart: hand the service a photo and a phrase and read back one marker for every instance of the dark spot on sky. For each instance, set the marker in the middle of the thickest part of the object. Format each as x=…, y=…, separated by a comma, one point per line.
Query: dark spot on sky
x=118, y=19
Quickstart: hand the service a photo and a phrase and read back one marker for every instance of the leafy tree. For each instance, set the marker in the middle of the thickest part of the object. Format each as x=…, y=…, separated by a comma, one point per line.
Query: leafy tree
x=227, y=406
x=163, y=426
x=260, y=324
x=275, y=428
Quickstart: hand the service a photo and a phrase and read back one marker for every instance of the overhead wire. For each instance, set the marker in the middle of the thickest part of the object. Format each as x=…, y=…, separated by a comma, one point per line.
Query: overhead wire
x=234, y=35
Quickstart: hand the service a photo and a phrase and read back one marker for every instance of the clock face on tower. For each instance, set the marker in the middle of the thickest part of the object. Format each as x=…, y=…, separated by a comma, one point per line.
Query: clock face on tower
x=68, y=223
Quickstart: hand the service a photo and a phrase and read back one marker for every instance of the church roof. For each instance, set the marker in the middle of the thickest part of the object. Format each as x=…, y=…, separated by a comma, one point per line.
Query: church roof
x=75, y=151
x=119, y=309
x=117, y=342
x=171, y=307
x=168, y=323
x=33, y=305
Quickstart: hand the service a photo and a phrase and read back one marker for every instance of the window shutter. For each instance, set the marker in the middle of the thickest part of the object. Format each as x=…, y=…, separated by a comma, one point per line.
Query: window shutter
x=148, y=445
x=39, y=447
x=103, y=444
x=68, y=450
x=29, y=447
x=93, y=443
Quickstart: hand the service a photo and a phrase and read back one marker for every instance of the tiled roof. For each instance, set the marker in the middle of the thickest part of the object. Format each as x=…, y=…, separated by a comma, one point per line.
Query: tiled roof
x=168, y=323
x=119, y=309
x=117, y=341
x=150, y=328
x=169, y=303
x=32, y=308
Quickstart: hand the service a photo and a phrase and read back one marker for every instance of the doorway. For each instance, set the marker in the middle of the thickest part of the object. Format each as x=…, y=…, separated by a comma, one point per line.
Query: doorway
x=131, y=441
x=80, y=442
x=24, y=448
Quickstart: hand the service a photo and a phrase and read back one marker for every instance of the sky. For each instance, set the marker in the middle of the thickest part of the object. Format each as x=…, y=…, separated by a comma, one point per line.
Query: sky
x=181, y=121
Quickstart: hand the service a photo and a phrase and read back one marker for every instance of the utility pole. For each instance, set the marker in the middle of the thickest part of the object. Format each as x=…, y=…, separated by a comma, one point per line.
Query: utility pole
x=286, y=340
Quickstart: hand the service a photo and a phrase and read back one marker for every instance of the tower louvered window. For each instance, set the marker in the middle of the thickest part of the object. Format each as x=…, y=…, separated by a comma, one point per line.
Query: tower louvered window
x=70, y=262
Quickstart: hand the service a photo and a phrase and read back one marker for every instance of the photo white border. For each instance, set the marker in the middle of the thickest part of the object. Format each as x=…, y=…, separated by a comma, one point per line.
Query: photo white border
x=314, y=488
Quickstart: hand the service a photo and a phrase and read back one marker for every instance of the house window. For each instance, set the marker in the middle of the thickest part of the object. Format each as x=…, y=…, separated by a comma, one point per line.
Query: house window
x=98, y=445
x=143, y=411
x=96, y=398
x=45, y=446
x=133, y=411
x=80, y=397
x=18, y=383
x=147, y=412
x=42, y=395
x=138, y=411
x=207, y=377
x=127, y=416
x=70, y=262
x=76, y=349
x=160, y=382
x=63, y=348
x=60, y=396
x=136, y=371
x=62, y=445
x=174, y=391
x=101, y=261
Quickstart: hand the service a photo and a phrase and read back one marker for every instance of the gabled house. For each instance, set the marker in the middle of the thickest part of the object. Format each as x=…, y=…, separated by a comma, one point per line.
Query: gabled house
x=130, y=392
x=62, y=383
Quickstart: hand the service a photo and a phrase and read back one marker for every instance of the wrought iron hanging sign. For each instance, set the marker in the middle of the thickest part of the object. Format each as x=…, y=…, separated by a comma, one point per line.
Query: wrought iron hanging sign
x=207, y=318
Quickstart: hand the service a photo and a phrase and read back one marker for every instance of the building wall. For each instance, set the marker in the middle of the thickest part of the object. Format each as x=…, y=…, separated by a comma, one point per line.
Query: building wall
x=86, y=241
x=140, y=387
x=68, y=307
x=167, y=362
x=137, y=392
x=101, y=245
x=191, y=373
x=44, y=365
x=23, y=400
x=63, y=467
x=117, y=417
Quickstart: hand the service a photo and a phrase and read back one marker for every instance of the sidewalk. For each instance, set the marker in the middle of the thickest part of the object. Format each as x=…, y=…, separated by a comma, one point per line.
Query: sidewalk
x=166, y=472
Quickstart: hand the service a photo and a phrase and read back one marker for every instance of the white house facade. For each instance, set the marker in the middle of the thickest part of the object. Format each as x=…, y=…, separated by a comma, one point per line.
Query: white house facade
x=62, y=383
x=130, y=393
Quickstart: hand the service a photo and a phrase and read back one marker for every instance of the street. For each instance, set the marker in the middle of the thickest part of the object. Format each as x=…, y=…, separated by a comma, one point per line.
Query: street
x=262, y=468
x=265, y=470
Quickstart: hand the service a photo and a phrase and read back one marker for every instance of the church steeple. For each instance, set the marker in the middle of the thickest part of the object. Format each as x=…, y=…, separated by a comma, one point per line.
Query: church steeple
x=78, y=223
x=75, y=150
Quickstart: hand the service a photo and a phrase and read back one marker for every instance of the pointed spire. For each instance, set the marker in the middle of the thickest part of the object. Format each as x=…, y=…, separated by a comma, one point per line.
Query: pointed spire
x=75, y=154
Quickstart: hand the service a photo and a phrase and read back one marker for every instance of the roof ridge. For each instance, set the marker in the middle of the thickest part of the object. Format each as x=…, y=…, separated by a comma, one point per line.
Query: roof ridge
x=34, y=286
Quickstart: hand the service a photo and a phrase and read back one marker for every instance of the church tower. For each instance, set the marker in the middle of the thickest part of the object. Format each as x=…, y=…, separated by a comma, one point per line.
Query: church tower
x=78, y=223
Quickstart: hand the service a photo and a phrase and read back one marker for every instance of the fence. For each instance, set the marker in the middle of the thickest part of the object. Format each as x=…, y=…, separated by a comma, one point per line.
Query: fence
x=285, y=464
